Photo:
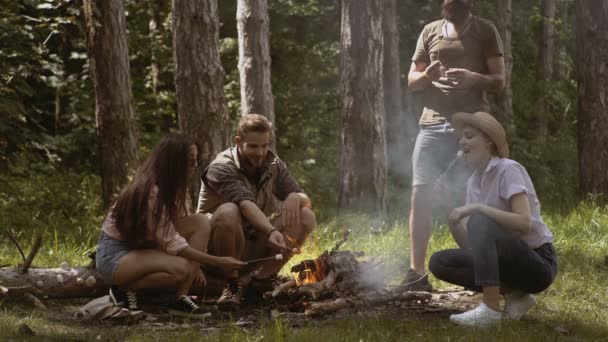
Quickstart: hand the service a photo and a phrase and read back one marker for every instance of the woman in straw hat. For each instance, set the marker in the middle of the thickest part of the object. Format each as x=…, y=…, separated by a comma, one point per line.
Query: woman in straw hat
x=505, y=248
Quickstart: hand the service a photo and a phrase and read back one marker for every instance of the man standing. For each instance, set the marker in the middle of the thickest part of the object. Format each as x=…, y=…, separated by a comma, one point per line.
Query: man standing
x=456, y=60
x=257, y=209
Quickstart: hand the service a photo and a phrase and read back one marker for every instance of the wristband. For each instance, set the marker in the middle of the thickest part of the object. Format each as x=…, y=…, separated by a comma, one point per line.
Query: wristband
x=272, y=230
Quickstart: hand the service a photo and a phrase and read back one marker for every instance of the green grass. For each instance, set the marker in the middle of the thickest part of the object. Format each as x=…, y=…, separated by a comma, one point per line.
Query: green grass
x=577, y=303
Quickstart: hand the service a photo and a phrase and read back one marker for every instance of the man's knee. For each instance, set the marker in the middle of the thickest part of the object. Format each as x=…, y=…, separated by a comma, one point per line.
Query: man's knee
x=308, y=220
x=226, y=219
x=201, y=223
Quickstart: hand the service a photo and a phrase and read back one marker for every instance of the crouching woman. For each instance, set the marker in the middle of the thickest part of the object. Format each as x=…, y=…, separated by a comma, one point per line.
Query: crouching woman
x=505, y=248
x=150, y=240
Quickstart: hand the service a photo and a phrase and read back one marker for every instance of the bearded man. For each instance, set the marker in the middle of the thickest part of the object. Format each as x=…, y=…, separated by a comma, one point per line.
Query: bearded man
x=457, y=59
x=256, y=208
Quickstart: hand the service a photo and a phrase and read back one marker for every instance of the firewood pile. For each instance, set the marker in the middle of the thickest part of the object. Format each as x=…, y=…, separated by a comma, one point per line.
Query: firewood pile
x=337, y=280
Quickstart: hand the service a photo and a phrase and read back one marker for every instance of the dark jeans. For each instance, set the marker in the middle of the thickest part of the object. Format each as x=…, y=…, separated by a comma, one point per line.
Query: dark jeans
x=497, y=257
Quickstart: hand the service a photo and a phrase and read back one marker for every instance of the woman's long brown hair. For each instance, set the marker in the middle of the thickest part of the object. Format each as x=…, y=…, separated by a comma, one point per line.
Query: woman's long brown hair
x=167, y=167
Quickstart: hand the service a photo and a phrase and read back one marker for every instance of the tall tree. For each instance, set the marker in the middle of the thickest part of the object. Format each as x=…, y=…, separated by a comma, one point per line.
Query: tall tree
x=504, y=15
x=363, y=161
x=400, y=126
x=545, y=63
x=117, y=136
x=254, y=58
x=592, y=75
x=199, y=76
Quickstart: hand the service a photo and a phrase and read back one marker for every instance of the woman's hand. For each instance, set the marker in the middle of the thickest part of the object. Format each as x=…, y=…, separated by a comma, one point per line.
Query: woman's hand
x=459, y=213
x=229, y=263
x=199, y=277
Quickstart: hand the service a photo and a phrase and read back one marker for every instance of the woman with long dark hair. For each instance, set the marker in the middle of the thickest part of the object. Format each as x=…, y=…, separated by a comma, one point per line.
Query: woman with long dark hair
x=149, y=239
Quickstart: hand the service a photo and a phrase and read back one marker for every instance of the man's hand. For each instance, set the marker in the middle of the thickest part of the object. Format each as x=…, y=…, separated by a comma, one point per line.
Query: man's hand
x=290, y=211
x=461, y=78
x=433, y=71
x=277, y=242
x=459, y=213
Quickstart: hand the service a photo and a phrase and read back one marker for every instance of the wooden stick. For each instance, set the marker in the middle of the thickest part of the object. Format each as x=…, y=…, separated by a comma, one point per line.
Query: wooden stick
x=275, y=257
x=32, y=255
x=37, y=302
x=12, y=238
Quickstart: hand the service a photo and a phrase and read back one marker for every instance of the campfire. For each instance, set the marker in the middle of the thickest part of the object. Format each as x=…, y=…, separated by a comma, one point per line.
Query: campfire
x=336, y=280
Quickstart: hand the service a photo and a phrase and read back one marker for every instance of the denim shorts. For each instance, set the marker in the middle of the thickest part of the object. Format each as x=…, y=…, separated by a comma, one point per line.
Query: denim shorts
x=109, y=252
x=435, y=149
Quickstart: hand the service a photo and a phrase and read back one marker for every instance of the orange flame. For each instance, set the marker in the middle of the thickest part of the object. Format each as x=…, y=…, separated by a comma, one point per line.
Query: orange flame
x=312, y=274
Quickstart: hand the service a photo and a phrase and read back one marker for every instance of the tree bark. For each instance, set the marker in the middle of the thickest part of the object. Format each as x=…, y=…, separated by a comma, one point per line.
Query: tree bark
x=109, y=67
x=253, y=27
x=505, y=98
x=363, y=160
x=400, y=127
x=52, y=282
x=592, y=77
x=545, y=64
x=199, y=76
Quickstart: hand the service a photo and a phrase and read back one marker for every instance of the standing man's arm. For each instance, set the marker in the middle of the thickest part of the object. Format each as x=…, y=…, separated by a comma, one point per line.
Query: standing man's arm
x=494, y=80
x=422, y=74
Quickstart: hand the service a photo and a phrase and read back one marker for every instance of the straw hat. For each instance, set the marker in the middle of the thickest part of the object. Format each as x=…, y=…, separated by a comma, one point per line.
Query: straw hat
x=487, y=124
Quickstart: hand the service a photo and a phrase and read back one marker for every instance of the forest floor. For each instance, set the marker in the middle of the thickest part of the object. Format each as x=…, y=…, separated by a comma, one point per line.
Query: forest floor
x=575, y=307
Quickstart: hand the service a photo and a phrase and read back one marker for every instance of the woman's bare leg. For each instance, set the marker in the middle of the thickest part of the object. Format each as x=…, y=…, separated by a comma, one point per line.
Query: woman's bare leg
x=150, y=268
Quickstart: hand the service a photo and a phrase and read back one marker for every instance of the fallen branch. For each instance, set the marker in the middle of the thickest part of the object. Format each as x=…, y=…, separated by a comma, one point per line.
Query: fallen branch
x=53, y=282
x=37, y=302
x=32, y=255
x=321, y=308
x=12, y=238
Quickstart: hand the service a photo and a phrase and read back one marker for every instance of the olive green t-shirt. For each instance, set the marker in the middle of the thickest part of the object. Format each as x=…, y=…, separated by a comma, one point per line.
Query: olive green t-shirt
x=470, y=50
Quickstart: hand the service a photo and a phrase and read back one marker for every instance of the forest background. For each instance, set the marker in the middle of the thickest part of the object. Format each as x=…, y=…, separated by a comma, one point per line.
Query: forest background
x=50, y=164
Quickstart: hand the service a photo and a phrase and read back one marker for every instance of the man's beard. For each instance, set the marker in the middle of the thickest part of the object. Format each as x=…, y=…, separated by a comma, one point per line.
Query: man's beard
x=455, y=12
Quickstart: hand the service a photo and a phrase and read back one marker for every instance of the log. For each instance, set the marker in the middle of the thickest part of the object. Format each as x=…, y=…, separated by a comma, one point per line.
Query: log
x=52, y=282
x=321, y=308
x=318, y=289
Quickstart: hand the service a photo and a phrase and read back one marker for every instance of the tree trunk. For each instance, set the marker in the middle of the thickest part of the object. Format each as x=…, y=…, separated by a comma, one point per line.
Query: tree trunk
x=254, y=58
x=363, y=160
x=400, y=127
x=504, y=17
x=592, y=70
x=115, y=117
x=199, y=76
x=545, y=65
x=53, y=282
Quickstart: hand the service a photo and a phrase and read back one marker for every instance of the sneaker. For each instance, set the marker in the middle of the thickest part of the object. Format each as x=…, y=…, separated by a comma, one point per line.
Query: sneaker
x=481, y=316
x=186, y=307
x=518, y=304
x=124, y=299
x=415, y=282
x=231, y=296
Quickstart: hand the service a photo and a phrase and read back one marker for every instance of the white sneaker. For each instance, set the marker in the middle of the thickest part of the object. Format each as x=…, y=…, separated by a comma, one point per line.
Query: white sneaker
x=517, y=304
x=481, y=316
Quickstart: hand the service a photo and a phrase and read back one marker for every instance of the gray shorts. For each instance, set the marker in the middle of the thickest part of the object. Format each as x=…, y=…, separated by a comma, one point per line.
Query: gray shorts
x=109, y=252
x=436, y=148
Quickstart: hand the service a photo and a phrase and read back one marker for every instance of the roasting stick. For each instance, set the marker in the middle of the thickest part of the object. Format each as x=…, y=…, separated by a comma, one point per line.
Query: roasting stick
x=276, y=257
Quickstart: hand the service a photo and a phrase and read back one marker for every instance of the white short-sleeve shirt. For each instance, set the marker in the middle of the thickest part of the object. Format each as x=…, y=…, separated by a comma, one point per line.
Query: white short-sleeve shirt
x=502, y=179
